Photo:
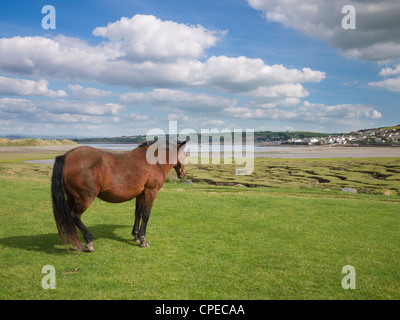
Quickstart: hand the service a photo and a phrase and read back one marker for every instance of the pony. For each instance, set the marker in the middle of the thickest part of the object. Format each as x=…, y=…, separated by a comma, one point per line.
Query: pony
x=84, y=173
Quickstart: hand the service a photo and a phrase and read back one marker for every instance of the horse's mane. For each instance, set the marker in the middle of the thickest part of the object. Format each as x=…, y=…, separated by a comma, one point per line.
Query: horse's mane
x=149, y=143
x=146, y=143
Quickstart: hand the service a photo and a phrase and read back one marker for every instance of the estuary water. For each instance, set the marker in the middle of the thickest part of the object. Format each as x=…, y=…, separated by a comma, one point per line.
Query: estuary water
x=190, y=147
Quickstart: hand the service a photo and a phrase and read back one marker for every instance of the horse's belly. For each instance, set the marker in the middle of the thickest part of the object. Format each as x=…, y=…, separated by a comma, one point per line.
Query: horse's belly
x=123, y=187
x=115, y=198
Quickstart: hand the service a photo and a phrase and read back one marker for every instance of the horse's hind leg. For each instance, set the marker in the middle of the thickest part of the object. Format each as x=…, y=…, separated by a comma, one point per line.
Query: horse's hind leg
x=144, y=203
x=135, y=231
x=85, y=232
x=77, y=209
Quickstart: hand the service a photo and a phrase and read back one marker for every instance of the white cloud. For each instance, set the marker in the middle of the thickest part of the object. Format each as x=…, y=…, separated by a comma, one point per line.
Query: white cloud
x=76, y=107
x=275, y=128
x=22, y=87
x=289, y=90
x=243, y=74
x=392, y=84
x=198, y=102
x=58, y=58
x=41, y=109
x=376, y=37
x=278, y=103
x=138, y=117
x=311, y=112
x=11, y=108
x=171, y=59
x=377, y=33
x=198, y=122
x=145, y=37
x=70, y=117
x=79, y=92
x=390, y=71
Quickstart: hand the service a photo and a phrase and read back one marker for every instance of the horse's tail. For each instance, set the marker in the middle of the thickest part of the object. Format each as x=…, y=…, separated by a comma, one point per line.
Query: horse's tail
x=62, y=212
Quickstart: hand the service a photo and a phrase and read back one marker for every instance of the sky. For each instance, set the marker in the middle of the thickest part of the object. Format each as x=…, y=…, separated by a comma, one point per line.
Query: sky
x=121, y=68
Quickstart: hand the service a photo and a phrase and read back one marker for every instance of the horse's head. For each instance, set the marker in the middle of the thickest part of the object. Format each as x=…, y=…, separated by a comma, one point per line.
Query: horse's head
x=180, y=165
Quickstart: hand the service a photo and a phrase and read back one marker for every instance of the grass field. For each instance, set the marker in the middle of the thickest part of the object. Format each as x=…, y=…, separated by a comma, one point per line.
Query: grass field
x=207, y=241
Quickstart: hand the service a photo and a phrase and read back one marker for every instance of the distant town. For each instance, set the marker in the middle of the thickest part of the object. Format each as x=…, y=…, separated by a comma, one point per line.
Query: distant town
x=378, y=136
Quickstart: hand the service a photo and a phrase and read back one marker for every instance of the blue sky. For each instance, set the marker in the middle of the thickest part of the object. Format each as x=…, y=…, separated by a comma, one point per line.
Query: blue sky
x=113, y=68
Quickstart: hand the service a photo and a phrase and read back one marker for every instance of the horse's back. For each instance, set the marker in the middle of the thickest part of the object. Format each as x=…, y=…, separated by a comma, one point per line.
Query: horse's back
x=83, y=158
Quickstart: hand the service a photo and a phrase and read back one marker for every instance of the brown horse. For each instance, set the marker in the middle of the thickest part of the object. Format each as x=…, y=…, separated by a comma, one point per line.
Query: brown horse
x=84, y=173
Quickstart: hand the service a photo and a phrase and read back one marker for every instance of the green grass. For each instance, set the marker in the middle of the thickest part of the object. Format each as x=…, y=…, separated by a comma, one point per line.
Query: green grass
x=207, y=242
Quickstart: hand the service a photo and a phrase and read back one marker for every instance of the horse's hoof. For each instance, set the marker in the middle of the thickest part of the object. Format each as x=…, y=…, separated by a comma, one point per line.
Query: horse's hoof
x=137, y=240
x=144, y=245
x=89, y=247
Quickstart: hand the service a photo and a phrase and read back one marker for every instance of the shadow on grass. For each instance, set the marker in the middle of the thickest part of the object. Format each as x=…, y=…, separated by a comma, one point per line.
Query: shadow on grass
x=50, y=243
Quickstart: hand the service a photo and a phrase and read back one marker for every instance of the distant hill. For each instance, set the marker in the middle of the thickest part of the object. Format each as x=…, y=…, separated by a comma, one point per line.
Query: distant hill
x=397, y=128
x=124, y=139
x=43, y=137
x=267, y=136
x=34, y=142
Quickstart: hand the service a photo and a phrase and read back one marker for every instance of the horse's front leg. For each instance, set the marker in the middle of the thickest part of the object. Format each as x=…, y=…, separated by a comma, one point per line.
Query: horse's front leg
x=144, y=203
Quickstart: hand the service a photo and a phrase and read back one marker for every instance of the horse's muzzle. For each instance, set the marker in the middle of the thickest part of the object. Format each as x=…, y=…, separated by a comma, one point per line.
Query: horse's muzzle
x=181, y=175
